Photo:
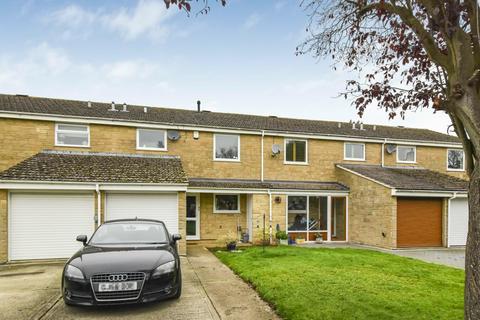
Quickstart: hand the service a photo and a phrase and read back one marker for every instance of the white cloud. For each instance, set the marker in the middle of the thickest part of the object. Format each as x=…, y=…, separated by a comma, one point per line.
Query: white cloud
x=145, y=19
x=129, y=69
x=252, y=20
x=73, y=16
x=280, y=5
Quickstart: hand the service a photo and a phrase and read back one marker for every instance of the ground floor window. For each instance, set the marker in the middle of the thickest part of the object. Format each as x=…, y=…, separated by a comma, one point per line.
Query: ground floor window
x=308, y=217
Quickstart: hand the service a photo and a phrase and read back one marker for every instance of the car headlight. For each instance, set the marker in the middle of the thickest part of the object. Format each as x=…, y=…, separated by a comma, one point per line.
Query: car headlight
x=164, y=269
x=72, y=272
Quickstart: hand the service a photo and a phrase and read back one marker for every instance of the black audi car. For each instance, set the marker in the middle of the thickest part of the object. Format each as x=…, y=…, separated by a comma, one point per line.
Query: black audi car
x=125, y=261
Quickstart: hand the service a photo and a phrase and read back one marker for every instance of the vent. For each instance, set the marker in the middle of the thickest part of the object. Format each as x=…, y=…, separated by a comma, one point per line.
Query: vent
x=89, y=104
x=124, y=107
x=112, y=108
x=145, y=109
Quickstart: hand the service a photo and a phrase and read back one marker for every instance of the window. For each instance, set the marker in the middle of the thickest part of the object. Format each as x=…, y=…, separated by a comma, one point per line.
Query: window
x=72, y=135
x=226, y=147
x=354, y=151
x=148, y=139
x=406, y=154
x=295, y=151
x=226, y=203
x=455, y=160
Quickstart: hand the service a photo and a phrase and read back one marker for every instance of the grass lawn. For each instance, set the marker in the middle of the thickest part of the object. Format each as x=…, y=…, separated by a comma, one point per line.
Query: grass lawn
x=307, y=283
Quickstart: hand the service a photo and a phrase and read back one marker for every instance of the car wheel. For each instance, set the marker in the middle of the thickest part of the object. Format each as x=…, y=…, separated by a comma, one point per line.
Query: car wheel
x=179, y=290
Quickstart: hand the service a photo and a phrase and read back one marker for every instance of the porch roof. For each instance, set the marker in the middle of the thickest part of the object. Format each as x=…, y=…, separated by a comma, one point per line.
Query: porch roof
x=407, y=178
x=266, y=184
x=88, y=167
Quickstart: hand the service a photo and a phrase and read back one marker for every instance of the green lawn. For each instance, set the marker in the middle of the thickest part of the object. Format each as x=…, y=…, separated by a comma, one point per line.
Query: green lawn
x=306, y=283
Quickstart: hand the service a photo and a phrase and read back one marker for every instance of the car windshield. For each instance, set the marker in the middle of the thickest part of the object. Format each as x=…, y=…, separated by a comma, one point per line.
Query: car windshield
x=129, y=233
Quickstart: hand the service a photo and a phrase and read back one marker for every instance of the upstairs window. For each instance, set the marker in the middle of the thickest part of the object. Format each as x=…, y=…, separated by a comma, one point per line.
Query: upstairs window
x=72, y=135
x=296, y=151
x=148, y=139
x=406, y=154
x=354, y=151
x=226, y=147
x=455, y=160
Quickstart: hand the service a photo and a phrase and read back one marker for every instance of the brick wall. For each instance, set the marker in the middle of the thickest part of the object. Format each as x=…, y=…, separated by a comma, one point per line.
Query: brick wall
x=3, y=226
x=182, y=215
x=372, y=211
x=215, y=225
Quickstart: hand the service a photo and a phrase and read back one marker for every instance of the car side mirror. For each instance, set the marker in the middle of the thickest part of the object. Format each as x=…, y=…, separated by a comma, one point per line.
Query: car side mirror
x=176, y=237
x=82, y=238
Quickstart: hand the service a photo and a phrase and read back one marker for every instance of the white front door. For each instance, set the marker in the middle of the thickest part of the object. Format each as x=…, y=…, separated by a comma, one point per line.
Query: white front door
x=458, y=219
x=45, y=225
x=193, y=217
x=156, y=206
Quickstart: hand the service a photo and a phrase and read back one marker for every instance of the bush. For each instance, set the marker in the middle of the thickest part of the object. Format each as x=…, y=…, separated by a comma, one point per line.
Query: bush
x=281, y=235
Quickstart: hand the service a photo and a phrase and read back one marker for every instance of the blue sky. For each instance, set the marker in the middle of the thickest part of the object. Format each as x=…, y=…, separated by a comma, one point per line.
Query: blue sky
x=240, y=58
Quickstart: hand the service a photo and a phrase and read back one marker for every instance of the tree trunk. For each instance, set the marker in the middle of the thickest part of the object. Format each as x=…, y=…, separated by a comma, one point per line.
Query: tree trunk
x=472, y=252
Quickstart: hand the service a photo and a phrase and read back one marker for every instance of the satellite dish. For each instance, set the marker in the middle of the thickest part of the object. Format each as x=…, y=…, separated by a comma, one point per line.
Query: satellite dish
x=173, y=135
x=276, y=149
x=391, y=148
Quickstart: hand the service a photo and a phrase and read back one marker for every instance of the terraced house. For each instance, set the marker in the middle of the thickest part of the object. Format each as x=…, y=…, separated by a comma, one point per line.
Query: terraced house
x=67, y=166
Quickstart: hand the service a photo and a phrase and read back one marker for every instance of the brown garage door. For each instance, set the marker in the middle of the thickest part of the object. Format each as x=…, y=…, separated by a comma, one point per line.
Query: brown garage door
x=419, y=222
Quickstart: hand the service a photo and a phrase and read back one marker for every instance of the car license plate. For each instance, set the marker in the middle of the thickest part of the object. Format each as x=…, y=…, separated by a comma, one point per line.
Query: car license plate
x=117, y=286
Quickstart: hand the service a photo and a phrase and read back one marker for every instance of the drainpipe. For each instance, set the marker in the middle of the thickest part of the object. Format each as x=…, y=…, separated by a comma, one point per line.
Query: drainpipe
x=261, y=158
x=448, y=217
x=99, y=204
x=270, y=213
x=383, y=152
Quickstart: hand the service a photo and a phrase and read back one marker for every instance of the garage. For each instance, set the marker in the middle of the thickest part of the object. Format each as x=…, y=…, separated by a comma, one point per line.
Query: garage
x=419, y=222
x=458, y=222
x=45, y=225
x=157, y=206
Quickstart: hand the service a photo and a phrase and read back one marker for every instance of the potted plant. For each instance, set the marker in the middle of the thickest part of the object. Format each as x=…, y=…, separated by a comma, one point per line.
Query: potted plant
x=319, y=238
x=229, y=240
x=300, y=239
x=282, y=237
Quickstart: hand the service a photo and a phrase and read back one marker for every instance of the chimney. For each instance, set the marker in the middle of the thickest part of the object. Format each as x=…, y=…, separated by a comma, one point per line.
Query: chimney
x=339, y=125
x=113, y=107
x=361, y=126
x=374, y=128
x=124, y=107
x=89, y=104
x=198, y=105
x=353, y=125
x=145, y=109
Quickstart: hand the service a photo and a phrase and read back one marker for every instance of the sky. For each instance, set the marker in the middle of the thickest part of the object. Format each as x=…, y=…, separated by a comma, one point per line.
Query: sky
x=239, y=58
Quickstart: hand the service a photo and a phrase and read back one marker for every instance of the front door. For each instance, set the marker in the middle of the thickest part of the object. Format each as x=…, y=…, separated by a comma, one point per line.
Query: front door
x=193, y=217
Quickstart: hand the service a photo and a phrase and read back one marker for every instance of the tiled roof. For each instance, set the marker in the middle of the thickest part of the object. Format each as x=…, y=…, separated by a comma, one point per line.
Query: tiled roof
x=409, y=178
x=68, y=166
x=266, y=184
x=47, y=106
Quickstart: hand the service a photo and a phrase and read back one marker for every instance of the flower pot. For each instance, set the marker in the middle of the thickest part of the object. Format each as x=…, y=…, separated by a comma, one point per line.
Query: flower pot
x=299, y=241
x=231, y=246
x=319, y=240
x=284, y=242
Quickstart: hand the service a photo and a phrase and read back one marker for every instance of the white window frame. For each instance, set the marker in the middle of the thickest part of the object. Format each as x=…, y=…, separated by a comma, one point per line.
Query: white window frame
x=463, y=164
x=226, y=211
x=215, y=147
x=353, y=159
x=285, y=140
x=414, y=154
x=57, y=144
x=149, y=148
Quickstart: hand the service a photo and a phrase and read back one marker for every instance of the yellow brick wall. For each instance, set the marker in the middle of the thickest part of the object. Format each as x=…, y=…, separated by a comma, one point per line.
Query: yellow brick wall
x=432, y=158
x=260, y=208
x=182, y=214
x=21, y=139
x=215, y=225
x=322, y=157
x=371, y=210
x=3, y=226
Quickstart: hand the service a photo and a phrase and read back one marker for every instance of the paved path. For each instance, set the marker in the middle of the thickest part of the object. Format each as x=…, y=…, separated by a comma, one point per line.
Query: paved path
x=230, y=295
x=192, y=305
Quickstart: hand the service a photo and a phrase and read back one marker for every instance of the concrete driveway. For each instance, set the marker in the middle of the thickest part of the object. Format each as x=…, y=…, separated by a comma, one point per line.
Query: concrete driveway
x=452, y=257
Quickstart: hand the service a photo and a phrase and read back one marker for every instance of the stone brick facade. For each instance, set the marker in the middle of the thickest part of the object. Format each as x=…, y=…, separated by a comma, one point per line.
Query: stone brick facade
x=3, y=225
x=372, y=211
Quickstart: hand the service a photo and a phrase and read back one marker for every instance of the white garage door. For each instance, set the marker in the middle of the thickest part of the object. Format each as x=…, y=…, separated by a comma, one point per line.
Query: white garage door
x=157, y=206
x=458, y=222
x=44, y=226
